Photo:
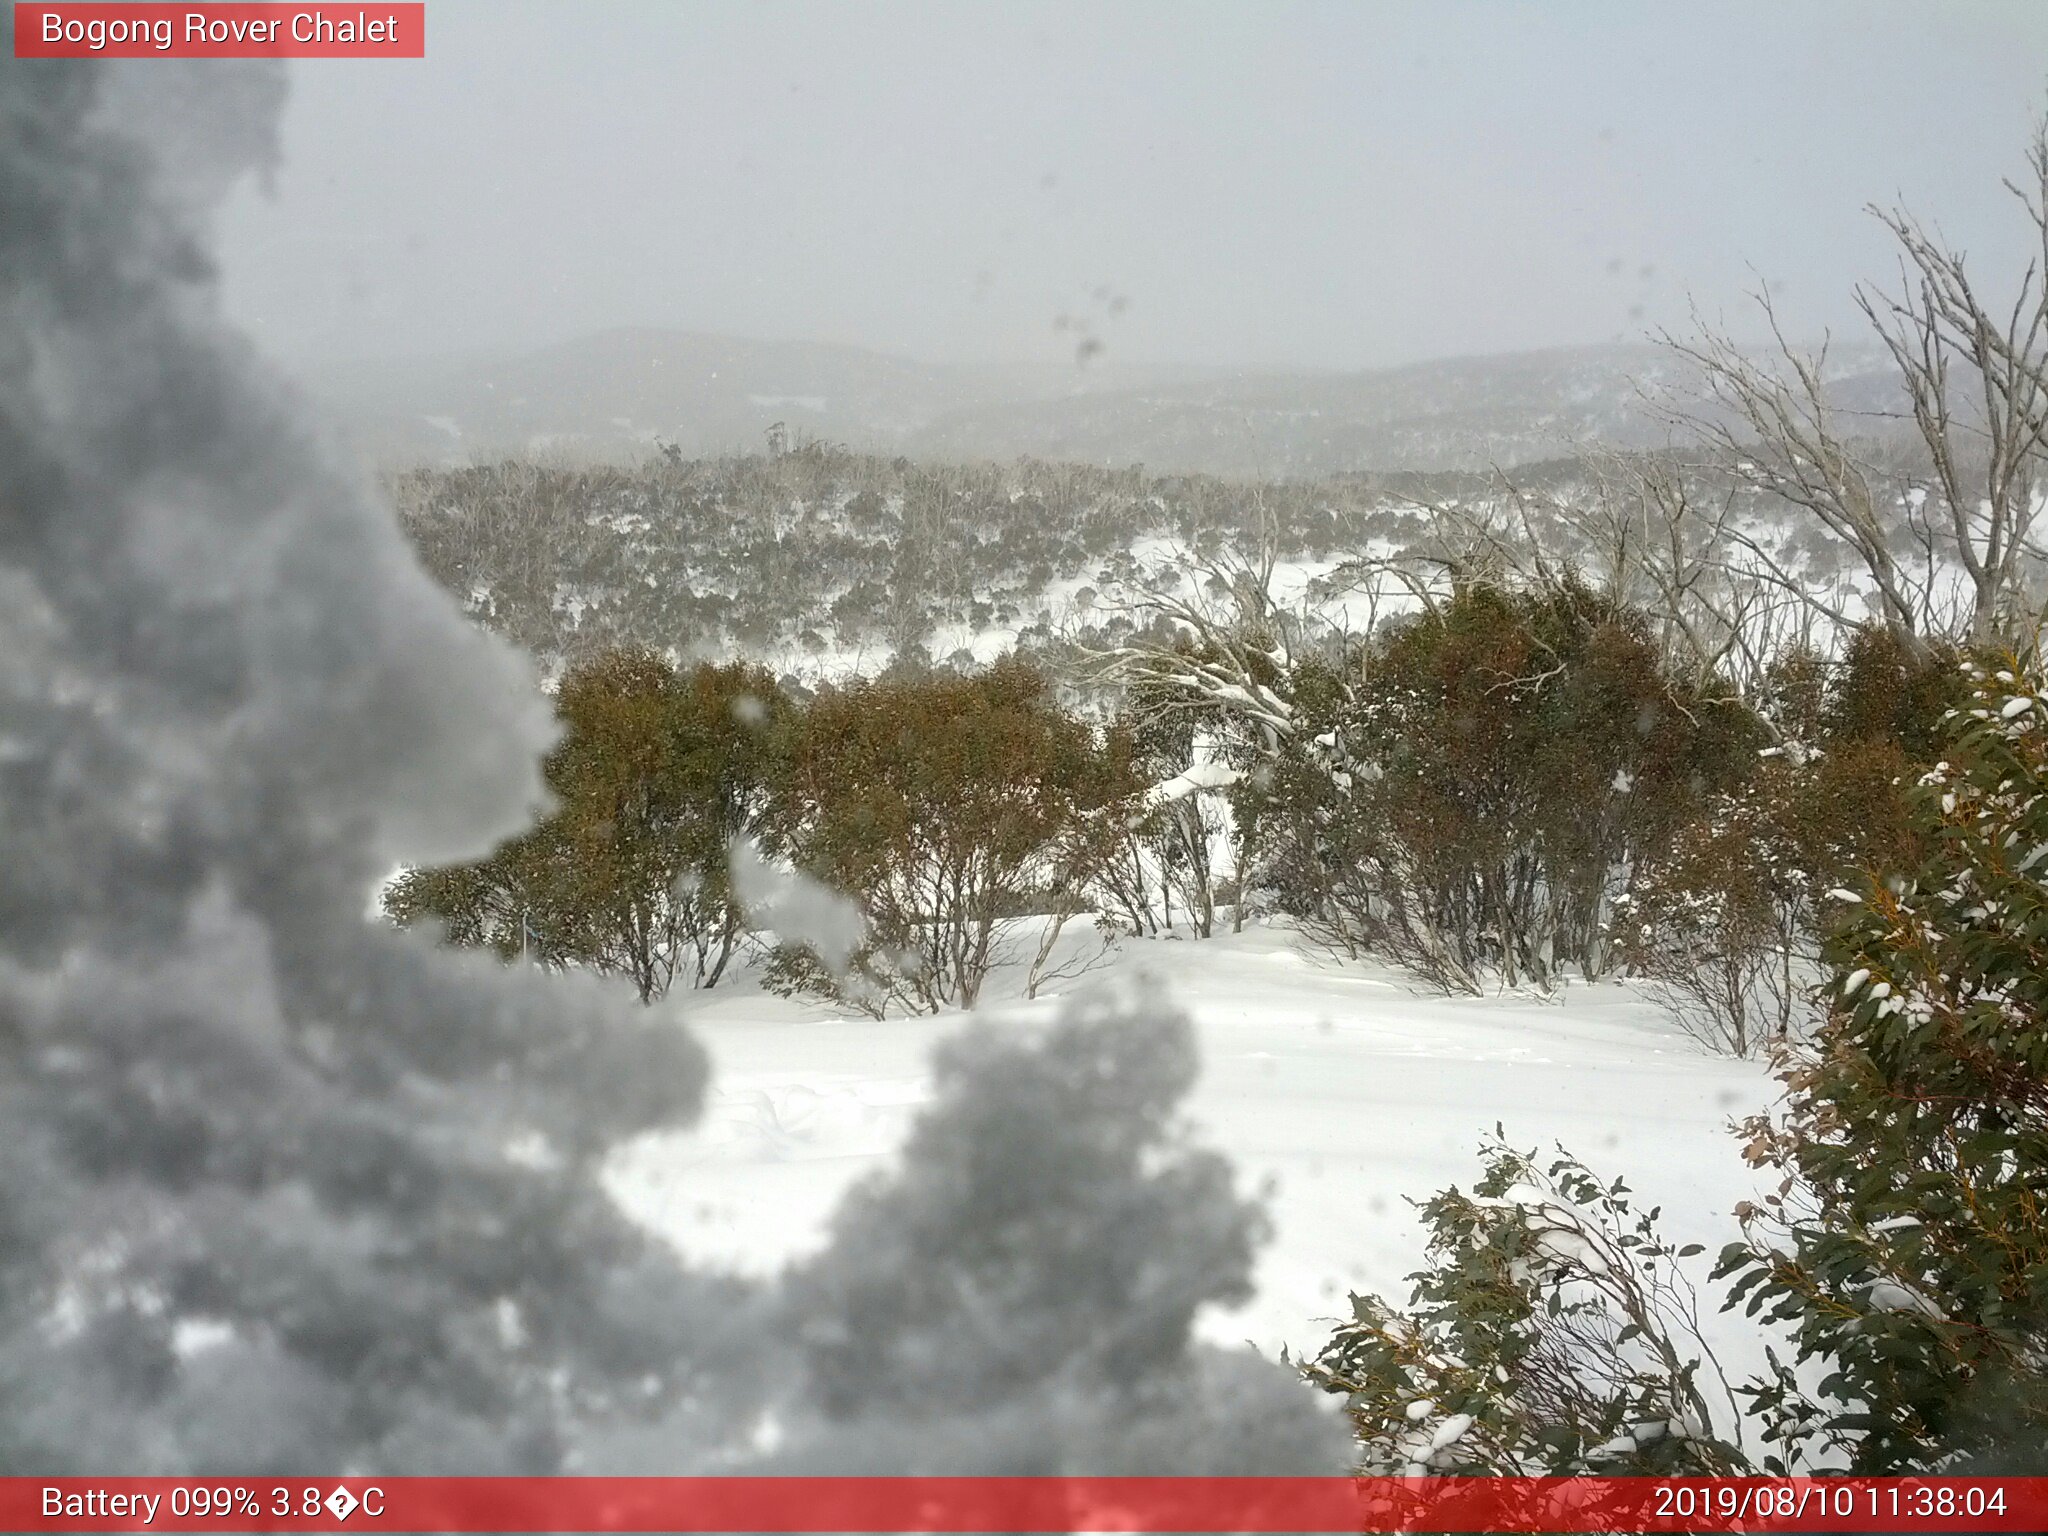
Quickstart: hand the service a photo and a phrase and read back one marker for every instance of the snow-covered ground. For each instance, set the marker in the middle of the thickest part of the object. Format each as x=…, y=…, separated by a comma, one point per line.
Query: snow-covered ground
x=1341, y=1085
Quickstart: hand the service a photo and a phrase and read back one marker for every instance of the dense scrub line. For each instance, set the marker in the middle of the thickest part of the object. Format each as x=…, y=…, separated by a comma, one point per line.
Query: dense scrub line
x=941, y=805
x=823, y=549
x=1502, y=790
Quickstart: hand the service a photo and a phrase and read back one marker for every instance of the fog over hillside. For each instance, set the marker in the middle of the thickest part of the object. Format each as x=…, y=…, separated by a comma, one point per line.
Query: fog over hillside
x=618, y=394
x=1251, y=241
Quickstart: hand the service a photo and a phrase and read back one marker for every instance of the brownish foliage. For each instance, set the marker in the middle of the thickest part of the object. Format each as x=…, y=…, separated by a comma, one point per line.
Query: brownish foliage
x=1727, y=918
x=1475, y=792
x=658, y=771
x=945, y=805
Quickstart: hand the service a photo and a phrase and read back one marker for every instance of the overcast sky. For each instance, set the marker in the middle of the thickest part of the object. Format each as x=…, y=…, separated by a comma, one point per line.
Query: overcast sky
x=1250, y=184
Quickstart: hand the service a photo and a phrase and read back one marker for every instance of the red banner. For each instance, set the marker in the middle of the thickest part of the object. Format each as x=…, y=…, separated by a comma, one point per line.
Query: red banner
x=81, y=30
x=1005, y=1504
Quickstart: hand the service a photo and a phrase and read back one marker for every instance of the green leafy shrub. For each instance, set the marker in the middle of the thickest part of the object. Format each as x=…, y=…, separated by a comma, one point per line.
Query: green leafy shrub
x=1726, y=916
x=1551, y=1333
x=1904, y=1249
x=1907, y=1246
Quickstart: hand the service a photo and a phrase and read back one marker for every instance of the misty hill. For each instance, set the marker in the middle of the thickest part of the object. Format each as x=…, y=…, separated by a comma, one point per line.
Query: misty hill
x=613, y=395
x=1458, y=414
x=623, y=389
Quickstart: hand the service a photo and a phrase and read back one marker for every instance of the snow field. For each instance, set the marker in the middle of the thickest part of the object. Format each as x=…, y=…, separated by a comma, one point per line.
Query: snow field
x=1338, y=1088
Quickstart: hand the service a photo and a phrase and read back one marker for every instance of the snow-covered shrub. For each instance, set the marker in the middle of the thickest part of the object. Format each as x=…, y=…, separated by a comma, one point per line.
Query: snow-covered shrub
x=1166, y=862
x=1551, y=1333
x=1908, y=1243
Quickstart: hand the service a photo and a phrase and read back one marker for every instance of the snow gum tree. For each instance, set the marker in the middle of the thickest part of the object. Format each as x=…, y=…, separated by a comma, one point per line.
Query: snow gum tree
x=1168, y=853
x=1945, y=533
